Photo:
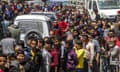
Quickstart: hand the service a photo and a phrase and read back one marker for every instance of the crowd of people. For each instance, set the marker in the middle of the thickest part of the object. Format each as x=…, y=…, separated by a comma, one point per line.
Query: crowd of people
x=76, y=43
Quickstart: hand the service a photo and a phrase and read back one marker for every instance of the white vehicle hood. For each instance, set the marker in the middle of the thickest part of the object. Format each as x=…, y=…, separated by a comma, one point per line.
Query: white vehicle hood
x=109, y=12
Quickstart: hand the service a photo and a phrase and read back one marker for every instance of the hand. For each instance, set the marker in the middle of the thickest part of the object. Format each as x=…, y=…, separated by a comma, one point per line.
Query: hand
x=97, y=60
x=90, y=65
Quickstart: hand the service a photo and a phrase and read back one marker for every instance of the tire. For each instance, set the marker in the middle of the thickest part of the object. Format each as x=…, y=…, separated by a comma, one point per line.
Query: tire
x=33, y=33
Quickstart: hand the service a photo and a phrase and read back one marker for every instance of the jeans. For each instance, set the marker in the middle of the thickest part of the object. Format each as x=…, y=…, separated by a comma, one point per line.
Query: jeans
x=5, y=25
x=79, y=70
x=85, y=65
x=71, y=70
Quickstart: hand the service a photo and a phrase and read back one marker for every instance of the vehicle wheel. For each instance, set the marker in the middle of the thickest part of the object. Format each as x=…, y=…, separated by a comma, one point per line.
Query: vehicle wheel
x=32, y=33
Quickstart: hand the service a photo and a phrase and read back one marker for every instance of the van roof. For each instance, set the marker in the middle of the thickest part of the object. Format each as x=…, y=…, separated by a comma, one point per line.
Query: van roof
x=42, y=12
x=39, y=17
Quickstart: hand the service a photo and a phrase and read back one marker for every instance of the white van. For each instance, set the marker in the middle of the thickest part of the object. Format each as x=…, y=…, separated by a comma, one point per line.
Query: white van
x=51, y=15
x=32, y=24
x=106, y=8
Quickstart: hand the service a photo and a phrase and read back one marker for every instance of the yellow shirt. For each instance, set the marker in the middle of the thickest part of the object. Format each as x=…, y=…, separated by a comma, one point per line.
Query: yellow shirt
x=80, y=57
x=32, y=54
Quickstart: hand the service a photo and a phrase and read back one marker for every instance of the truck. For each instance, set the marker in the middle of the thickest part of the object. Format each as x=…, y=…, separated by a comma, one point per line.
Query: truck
x=105, y=8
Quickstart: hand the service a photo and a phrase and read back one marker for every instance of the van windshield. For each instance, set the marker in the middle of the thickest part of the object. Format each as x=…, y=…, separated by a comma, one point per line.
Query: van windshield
x=109, y=4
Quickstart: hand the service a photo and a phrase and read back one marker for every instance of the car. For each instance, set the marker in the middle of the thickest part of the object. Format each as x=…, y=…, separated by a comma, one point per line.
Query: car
x=37, y=25
x=51, y=15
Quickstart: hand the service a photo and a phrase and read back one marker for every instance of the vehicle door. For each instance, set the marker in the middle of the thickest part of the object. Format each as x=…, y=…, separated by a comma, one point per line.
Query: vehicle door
x=91, y=7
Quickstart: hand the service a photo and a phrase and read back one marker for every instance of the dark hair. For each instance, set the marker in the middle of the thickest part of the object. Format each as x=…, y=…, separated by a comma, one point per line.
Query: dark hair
x=78, y=42
x=19, y=52
x=49, y=41
x=93, y=22
x=91, y=28
x=70, y=43
x=12, y=56
x=41, y=40
x=3, y=55
x=86, y=36
x=111, y=31
x=21, y=43
x=34, y=39
x=76, y=30
x=57, y=38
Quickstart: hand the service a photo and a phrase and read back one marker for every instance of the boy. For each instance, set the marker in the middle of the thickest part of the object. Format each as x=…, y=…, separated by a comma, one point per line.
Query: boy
x=3, y=61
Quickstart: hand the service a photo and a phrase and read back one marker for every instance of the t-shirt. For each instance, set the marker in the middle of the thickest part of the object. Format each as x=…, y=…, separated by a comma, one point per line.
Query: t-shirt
x=80, y=57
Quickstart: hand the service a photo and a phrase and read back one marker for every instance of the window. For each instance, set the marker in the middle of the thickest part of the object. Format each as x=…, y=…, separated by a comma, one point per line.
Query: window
x=109, y=4
x=90, y=4
x=94, y=6
x=25, y=26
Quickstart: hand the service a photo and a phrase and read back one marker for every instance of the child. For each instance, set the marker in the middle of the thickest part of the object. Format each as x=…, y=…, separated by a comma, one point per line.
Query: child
x=3, y=61
x=23, y=65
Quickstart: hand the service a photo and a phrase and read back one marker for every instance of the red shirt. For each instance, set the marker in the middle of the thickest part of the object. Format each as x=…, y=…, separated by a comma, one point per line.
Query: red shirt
x=63, y=25
x=54, y=57
x=116, y=40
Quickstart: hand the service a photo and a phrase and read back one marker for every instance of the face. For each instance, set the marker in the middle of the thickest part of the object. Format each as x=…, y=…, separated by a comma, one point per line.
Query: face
x=71, y=24
x=20, y=57
x=40, y=44
x=83, y=38
x=81, y=22
x=99, y=22
x=67, y=45
x=111, y=34
x=77, y=46
x=2, y=61
x=75, y=33
x=48, y=46
x=111, y=45
x=93, y=24
x=83, y=33
x=92, y=32
x=54, y=23
x=17, y=48
x=11, y=59
x=51, y=33
x=28, y=42
x=33, y=44
x=56, y=42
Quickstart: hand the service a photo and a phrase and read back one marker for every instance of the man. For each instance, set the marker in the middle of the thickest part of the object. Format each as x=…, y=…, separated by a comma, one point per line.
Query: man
x=117, y=18
x=14, y=31
x=54, y=55
x=55, y=28
x=113, y=55
x=89, y=52
x=36, y=56
x=45, y=67
x=7, y=44
x=62, y=25
x=80, y=56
